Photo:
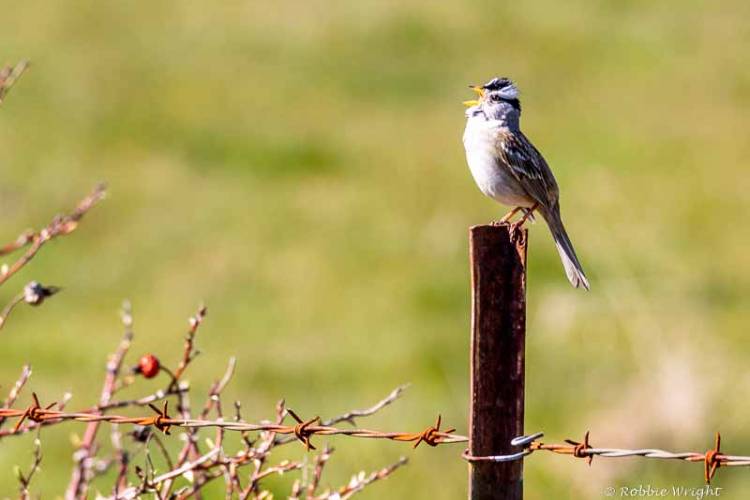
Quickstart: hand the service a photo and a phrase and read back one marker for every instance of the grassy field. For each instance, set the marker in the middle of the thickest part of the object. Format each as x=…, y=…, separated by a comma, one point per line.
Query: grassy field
x=298, y=167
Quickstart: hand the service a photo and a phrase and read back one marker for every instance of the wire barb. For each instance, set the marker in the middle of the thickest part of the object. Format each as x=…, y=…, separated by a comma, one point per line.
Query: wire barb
x=34, y=412
x=161, y=420
x=302, y=429
x=432, y=435
x=580, y=450
x=712, y=460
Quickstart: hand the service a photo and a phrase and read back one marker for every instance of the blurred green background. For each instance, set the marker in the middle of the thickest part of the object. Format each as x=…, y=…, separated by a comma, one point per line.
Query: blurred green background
x=298, y=166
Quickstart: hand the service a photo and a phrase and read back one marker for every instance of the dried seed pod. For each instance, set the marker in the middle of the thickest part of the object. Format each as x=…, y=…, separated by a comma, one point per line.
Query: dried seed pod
x=34, y=292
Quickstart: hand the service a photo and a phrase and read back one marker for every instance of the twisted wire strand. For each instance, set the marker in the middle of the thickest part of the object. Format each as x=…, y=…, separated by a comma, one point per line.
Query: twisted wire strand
x=432, y=435
x=712, y=459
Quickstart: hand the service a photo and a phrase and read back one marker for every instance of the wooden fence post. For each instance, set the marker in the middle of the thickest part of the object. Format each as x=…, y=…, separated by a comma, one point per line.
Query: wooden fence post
x=498, y=332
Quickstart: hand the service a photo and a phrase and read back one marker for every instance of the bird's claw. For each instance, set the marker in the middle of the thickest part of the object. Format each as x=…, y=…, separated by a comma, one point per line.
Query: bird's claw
x=515, y=228
x=516, y=231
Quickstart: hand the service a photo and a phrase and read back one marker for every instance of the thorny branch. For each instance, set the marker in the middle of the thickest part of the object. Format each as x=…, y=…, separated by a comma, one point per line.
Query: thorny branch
x=198, y=467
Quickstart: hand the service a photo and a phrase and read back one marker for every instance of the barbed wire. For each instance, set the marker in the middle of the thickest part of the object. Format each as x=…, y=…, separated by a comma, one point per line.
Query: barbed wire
x=201, y=466
x=712, y=459
x=303, y=430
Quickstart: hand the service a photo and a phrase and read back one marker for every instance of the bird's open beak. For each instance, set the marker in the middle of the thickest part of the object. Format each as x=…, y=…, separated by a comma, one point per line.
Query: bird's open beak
x=480, y=92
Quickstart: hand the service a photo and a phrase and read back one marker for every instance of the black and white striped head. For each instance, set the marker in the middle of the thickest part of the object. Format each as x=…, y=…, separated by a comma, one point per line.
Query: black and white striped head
x=498, y=100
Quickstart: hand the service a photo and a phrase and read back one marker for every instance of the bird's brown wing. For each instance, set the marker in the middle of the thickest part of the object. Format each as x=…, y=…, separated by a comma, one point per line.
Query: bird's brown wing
x=528, y=167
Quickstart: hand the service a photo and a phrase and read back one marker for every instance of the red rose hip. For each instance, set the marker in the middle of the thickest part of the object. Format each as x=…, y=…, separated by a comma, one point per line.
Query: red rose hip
x=148, y=365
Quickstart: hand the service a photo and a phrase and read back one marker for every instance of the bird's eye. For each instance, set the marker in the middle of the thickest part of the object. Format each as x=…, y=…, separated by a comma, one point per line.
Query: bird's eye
x=495, y=98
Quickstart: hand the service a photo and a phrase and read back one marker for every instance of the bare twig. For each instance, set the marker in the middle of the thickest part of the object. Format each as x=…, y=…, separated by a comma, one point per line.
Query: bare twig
x=23, y=239
x=9, y=308
x=79, y=480
x=188, y=466
x=189, y=352
x=34, y=294
x=60, y=226
x=267, y=441
x=144, y=401
x=320, y=463
x=121, y=458
x=190, y=449
x=9, y=75
x=218, y=387
x=15, y=391
x=350, y=416
x=25, y=480
x=360, y=481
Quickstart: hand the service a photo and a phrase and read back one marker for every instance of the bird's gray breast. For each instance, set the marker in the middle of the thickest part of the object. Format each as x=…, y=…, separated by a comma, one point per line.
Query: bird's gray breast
x=493, y=177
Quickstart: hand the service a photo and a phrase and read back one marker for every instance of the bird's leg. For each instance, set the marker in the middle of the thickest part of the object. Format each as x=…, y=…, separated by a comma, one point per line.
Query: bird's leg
x=528, y=213
x=509, y=216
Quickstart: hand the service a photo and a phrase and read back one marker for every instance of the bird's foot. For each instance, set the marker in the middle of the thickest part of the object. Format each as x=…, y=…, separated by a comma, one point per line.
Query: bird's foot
x=516, y=227
x=516, y=230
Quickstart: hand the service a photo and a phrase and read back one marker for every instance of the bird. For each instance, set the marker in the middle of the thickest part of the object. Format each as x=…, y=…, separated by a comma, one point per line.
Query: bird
x=509, y=169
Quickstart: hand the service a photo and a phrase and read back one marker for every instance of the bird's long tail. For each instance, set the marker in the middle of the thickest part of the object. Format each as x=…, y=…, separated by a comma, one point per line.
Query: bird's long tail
x=572, y=266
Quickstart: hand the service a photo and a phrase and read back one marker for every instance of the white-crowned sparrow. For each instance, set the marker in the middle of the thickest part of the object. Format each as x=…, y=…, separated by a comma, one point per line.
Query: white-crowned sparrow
x=509, y=169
